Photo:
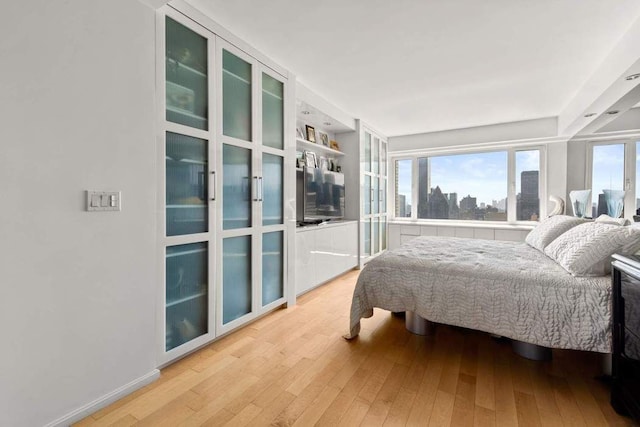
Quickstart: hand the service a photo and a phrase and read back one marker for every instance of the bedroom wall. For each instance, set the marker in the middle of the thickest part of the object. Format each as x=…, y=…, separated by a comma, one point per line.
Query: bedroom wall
x=78, y=289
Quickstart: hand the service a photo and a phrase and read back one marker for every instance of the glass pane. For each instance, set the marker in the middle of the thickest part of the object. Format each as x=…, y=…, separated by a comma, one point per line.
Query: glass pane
x=186, y=73
x=481, y=176
x=383, y=196
x=608, y=174
x=366, y=195
x=403, y=188
x=376, y=196
x=273, y=183
x=272, y=112
x=236, y=97
x=527, y=184
x=375, y=155
x=236, y=189
x=367, y=152
x=186, y=185
x=367, y=236
x=272, y=267
x=383, y=159
x=186, y=293
x=383, y=221
x=376, y=236
x=236, y=277
x=637, y=212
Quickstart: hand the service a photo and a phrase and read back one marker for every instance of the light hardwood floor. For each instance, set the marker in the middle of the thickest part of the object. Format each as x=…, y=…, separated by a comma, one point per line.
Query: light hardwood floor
x=292, y=367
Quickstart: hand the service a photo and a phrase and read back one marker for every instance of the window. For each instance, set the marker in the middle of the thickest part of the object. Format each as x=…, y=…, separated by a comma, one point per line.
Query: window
x=607, y=174
x=470, y=186
x=403, y=188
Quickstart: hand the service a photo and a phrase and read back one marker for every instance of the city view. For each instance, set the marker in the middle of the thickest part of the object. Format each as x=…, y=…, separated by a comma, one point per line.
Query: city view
x=469, y=187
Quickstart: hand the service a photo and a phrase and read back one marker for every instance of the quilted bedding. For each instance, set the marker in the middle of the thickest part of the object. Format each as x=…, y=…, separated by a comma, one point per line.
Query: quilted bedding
x=505, y=288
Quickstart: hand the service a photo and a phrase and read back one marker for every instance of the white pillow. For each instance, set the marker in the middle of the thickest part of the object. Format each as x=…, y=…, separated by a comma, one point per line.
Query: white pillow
x=611, y=220
x=586, y=249
x=550, y=228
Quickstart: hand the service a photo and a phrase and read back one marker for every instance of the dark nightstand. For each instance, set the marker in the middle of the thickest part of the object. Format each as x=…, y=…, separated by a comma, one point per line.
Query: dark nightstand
x=625, y=389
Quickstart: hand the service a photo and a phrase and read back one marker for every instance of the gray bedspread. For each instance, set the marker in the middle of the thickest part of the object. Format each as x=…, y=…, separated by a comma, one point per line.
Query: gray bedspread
x=504, y=288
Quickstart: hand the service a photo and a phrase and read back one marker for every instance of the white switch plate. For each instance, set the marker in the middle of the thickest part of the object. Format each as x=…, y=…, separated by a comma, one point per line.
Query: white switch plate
x=103, y=200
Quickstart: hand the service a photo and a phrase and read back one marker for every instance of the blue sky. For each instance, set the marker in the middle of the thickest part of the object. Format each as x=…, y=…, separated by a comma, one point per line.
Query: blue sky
x=481, y=175
x=608, y=169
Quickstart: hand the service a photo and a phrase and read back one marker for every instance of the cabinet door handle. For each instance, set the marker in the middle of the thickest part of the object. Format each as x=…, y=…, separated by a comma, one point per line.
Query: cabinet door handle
x=254, y=190
x=212, y=186
x=261, y=186
x=372, y=190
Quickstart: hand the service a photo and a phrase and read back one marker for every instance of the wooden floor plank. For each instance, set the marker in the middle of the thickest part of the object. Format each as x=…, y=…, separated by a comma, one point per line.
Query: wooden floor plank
x=292, y=367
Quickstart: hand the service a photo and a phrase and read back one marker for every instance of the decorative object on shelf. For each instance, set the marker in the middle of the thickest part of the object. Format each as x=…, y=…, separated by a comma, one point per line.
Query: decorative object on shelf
x=323, y=163
x=311, y=133
x=187, y=330
x=299, y=159
x=334, y=145
x=332, y=165
x=615, y=202
x=299, y=133
x=180, y=97
x=579, y=202
x=558, y=208
x=324, y=139
x=310, y=159
x=338, y=168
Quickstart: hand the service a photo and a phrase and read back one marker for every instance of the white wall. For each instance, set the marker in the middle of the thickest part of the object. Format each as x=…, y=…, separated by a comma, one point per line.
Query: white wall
x=78, y=289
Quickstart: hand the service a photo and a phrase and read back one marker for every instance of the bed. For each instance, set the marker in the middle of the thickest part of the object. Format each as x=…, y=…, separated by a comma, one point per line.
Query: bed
x=504, y=288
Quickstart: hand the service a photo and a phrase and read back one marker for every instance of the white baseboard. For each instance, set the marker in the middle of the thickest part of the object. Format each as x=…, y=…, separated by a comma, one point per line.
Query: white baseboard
x=105, y=400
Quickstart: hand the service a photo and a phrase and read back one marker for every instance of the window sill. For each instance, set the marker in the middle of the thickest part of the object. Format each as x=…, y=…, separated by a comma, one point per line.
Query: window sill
x=528, y=225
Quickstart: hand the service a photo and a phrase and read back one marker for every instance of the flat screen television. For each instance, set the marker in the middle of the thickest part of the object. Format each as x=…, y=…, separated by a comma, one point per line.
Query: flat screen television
x=320, y=195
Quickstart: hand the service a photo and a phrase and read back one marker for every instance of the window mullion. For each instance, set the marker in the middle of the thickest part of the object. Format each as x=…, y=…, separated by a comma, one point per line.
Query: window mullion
x=414, y=188
x=511, y=186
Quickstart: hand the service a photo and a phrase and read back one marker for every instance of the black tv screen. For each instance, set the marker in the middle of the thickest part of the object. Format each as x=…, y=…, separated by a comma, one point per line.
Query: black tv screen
x=322, y=195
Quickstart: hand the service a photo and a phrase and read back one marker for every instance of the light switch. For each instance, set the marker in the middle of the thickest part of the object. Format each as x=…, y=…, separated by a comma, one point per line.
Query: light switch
x=103, y=200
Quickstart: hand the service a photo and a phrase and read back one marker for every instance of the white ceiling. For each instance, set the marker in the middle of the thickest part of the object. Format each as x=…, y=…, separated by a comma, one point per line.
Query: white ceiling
x=410, y=66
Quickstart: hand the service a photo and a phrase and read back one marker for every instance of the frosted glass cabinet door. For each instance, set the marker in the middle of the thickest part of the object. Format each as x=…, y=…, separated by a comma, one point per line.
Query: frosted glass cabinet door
x=272, y=112
x=383, y=233
x=186, y=185
x=186, y=307
x=272, y=267
x=376, y=236
x=236, y=188
x=236, y=277
x=367, y=152
x=376, y=195
x=186, y=74
x=383, y=195
x=375, y=156
x=366, y=195
x=366, y=224
x=272, y=185
x=236, y=97
x=383, y=159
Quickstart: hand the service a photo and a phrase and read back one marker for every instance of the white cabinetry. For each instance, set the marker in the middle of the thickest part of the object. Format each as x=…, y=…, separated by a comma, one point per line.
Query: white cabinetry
x=324, y=252
x=225, y=134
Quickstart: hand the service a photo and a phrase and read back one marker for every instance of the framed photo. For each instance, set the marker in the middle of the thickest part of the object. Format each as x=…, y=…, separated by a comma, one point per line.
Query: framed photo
x=323, y=163
x=299, y=133
x=324, y=139
x=311, y=133
x=334, y=145
x=310, y=159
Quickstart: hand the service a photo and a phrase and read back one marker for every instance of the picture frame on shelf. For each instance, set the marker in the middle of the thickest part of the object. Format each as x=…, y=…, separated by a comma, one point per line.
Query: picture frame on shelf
x=324, y=138
x=299, y=133
x=323, y=163
x=334, y=145
x=311, y=133
x=310, y=159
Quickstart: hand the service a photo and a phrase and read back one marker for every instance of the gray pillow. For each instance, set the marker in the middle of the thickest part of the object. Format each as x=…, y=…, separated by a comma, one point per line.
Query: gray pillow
x=550, y=229
x=586, y=249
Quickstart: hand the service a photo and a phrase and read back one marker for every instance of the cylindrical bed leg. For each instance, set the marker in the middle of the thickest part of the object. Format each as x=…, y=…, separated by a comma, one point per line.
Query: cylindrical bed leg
x=531, y=351
x=418, y=325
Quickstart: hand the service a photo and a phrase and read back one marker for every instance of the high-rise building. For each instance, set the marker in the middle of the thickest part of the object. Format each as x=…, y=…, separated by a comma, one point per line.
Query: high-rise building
x=602, y=206
x=528, y=201
x=437, y=205
x=423, y=188
x=454, y=210
x=401, y=205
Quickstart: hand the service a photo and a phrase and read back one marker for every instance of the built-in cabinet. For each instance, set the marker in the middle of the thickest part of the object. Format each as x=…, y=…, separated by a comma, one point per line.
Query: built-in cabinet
x=224, y=146
x=367, y=166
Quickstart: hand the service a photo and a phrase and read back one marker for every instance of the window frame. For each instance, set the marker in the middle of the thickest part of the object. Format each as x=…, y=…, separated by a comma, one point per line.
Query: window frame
x=629, y=171
x=511, y=182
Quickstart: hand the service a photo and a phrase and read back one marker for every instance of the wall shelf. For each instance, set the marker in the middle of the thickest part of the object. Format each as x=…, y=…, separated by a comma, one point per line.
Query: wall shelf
x=307, y=145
